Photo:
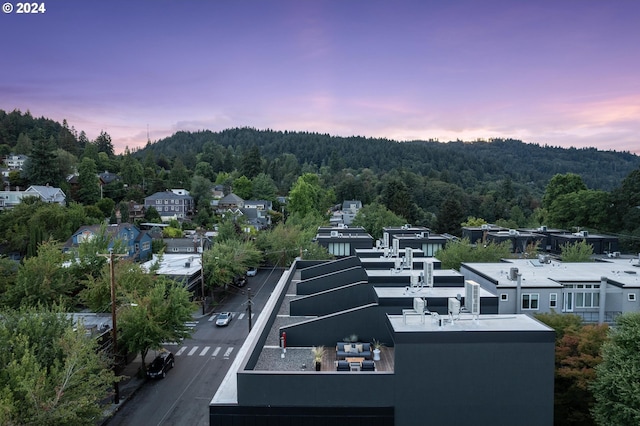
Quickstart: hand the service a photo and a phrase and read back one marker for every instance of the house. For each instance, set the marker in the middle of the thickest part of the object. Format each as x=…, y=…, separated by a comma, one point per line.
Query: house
x=15, y=162
x=596, y=291
x=107, y=177
x=518, y=240
x=258, y=218
x=48, y=194
x=342, y=240
x=418, y=237
x=187, y=245
x=263, y=205
x=136, y=211
x=184, y=268
x=230, y=202
x=138, y=243
x=432, y=364
x=175, y=204
x=10, y=199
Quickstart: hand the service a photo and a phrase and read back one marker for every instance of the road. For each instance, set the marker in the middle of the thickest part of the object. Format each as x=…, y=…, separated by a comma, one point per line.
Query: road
x=182, y=398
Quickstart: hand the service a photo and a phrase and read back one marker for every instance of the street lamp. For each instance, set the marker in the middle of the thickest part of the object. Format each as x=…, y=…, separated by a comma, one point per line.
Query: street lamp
x=204, y=299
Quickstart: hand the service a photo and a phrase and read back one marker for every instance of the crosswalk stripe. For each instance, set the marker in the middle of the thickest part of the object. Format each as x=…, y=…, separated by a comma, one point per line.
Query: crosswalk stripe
x=215, y=352
x=182, y=349
x=228, y=352
x=192, y=351
x=241, y=316
x=211, y=318
x=205, y=350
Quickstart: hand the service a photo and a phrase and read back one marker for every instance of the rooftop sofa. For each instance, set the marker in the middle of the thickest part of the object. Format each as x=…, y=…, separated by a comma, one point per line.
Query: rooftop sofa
x=344, y=350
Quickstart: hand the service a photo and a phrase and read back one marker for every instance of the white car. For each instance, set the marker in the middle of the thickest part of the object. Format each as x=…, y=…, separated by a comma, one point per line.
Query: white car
x=252, y=272
x=223, y=319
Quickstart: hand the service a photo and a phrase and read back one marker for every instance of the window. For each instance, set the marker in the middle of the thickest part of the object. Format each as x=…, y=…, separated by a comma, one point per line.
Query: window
x=158, y=201
x=340, y=249
x=553, y=300
x=504, y=297
x=530, y=301
x=146, y=245
x=585, y=295
x=631, y=297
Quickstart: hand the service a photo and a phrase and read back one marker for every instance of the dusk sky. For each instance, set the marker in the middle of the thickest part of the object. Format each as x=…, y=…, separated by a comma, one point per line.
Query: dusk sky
x=557, y=72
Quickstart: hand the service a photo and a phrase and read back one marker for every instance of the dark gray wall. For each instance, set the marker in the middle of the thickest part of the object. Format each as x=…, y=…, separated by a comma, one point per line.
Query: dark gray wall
x=234, y=415
x=326, y=267
x=331, y=280
x=333, y=300
x=481, y=378
x=367, y=322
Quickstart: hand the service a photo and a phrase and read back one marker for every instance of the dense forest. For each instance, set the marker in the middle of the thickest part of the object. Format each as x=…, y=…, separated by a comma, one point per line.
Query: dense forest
x=466, y=164
x=429, y=183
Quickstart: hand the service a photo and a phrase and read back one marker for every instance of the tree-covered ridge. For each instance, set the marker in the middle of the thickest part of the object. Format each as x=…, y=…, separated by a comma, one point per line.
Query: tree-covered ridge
x=466, y=164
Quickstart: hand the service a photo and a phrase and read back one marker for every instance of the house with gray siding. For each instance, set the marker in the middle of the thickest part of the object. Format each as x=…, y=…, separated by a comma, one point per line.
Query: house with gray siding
x=175, y=204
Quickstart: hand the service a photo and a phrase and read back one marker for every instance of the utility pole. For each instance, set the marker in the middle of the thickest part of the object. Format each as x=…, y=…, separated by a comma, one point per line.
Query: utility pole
x=204, y=299
x=114, y=325
x=114, y=329
x=249, y=303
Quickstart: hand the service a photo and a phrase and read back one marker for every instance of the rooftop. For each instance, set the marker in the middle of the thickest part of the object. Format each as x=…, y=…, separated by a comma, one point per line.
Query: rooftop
x=620, y=272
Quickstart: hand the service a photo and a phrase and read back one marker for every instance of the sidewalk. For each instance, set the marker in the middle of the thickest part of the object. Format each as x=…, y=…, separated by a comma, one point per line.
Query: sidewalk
x=131, y=382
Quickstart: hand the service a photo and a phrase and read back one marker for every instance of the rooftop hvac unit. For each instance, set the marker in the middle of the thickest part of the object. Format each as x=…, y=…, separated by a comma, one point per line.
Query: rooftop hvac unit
x=428, y=274
x=472, y=297
x=418, y=304
x=454, y=306
x=584, y=233
x=385, y=239
x=415, y=280
x=408, y=257
x=187, y=264
x=484, y=226
x=513, y=274
x=396, y=246
x=341, y=225
x=513, y=232
x=398, y=263
x=334, y=233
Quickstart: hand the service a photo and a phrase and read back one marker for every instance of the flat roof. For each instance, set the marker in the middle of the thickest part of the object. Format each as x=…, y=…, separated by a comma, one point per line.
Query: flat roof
x=397, y=292
x=174, y=264
x=408, y=273
x=623, y=272
x=466, y=322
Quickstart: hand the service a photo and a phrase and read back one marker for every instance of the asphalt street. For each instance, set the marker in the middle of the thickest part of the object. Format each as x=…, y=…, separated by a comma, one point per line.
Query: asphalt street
x=182, y=398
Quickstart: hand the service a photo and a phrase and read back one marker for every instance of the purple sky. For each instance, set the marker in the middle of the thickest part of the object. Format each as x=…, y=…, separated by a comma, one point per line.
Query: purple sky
x=557, y=72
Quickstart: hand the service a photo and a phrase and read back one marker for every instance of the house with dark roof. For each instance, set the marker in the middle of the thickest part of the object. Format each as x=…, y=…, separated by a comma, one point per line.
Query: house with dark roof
x=230, y=202
x=174, y=204
x=137, y=242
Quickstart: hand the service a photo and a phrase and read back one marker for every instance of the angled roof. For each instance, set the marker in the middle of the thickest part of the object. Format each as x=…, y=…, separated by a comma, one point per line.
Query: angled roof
x=231, y=199
x=45, y=191
x=167, y=195
x=108, y=177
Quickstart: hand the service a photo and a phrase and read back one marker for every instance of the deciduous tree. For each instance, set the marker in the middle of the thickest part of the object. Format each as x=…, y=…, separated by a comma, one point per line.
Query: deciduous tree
x=53, y=374
x=617, y=384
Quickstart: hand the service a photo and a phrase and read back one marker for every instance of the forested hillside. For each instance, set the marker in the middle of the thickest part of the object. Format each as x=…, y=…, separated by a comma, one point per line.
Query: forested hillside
x=429, y=183
x=466, y=164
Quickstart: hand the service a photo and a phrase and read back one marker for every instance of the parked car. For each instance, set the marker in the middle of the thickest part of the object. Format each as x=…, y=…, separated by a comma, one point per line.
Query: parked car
x=252, y=272
x=160, y=365
x=224, y=318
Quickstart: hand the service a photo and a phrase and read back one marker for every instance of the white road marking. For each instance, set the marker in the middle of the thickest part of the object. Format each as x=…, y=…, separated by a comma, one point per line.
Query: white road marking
x=205, y=350
x=211, y=318
x=192, y=351
x=241, y=316
x=182, y=349
x=227, y=353
x=215, y=352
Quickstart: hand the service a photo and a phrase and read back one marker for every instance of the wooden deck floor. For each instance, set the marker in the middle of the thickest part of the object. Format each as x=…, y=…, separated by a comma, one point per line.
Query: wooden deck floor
x=386, y=362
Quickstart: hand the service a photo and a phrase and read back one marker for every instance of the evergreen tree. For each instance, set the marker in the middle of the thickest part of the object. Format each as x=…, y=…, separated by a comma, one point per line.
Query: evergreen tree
x=251, y=162
x=88, y=182
x=104, y=144
x=39, y=169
